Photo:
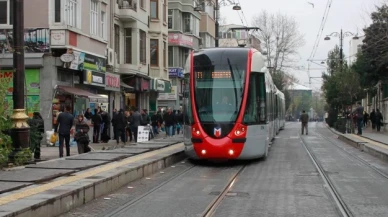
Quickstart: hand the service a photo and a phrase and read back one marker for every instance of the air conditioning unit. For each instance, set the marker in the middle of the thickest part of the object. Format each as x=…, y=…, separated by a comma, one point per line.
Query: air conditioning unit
x=111, y=57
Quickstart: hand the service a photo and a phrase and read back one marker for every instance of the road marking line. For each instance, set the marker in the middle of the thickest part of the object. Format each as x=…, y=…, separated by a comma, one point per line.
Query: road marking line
x=370, y=141
x=39, y=189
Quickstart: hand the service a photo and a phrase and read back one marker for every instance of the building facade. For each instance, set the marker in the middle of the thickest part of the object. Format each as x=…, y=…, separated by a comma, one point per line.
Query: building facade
x=188, y=29
x=354, y=49
x=229, y=38
x=140, y=51
x=66, y=48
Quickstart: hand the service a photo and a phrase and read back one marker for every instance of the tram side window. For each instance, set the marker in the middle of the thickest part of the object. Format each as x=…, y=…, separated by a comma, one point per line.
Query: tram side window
x=255, y=108
x=187, y=109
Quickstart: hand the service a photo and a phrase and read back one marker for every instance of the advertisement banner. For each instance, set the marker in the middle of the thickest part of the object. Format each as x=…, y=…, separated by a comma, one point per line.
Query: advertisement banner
x=32, y=104
x=94, y=63
x=94, y=78
x=178, y=39
x=36, y=40
x=112, y=81
x=173, y=95
x=32, y=80
x=175, y=72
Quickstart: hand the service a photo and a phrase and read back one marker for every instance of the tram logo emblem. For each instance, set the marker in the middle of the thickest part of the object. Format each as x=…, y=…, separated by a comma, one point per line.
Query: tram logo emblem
x=217, y=131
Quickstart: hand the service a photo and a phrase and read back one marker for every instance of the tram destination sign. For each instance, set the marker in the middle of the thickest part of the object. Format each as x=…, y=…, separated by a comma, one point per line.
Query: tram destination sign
x=214, y=75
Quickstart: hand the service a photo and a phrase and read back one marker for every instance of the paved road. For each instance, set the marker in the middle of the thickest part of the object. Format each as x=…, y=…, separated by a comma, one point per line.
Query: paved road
x=287, y=184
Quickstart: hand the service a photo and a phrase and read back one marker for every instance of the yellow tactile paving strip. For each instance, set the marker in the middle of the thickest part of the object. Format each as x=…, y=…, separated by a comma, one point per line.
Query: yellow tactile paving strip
x=370, y=141
x=39, y=189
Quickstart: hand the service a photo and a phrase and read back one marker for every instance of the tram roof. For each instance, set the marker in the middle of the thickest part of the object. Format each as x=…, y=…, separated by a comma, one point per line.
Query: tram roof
x=224, y=48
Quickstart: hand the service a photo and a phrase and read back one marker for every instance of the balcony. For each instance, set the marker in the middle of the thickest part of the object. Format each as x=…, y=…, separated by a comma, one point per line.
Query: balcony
x=126, y=10
x=207, y=24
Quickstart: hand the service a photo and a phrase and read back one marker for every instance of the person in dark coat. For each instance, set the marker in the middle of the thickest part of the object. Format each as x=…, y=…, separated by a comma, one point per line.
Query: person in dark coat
x=169, y=121
x=120, y=125
x=136, y=120
x=81, y=136
x=372, y=117
x=379, y=120
x=65, y=123
x=37, y=128
x=88, y=114
x=96, y=121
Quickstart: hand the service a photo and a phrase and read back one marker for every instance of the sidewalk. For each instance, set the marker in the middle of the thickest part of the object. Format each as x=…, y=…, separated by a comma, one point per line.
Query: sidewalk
x=381, y=136
x=52, y=152
x=53, y=187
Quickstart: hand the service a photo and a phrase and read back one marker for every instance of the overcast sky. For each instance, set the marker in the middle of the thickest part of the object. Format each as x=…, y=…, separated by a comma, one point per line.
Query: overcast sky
x=351, y=15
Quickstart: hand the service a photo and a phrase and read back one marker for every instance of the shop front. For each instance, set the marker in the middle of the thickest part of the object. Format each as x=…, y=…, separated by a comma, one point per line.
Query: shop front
x=32, y=96
x=173, y=99
x=158, y=87
x=138, y=96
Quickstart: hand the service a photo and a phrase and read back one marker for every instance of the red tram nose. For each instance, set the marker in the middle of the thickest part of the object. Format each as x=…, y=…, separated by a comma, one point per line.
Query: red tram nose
x=223, y=148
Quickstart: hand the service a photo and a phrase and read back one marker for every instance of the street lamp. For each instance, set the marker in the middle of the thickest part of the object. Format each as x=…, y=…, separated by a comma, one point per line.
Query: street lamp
x=20, y=130
x=219, y=3
x=341, y=36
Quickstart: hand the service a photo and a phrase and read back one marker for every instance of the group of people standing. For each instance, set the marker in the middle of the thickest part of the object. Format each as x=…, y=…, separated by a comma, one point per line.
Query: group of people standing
x=169, y=121
x=360, y=118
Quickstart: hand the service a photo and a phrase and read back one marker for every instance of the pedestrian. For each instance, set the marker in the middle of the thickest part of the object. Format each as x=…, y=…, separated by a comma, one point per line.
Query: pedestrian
x=169, y=121
x=304, y=118
x=379, y=120
x=37, y=129
x=81, y=136
x=120, y=124
x=135, y=121
x=372, y=118
x=64, y=124
x=359, y=116
x=97, y=122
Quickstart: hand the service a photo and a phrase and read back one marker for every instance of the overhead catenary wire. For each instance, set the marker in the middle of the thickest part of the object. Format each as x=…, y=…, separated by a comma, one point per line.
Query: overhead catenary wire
x=321, y=28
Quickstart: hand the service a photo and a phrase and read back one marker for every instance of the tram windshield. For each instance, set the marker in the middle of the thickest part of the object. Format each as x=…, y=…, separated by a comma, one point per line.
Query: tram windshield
x=219, y=85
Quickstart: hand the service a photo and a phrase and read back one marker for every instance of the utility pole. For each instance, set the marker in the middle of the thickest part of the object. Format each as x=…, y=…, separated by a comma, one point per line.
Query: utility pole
x=20, y=132
x=217, y=25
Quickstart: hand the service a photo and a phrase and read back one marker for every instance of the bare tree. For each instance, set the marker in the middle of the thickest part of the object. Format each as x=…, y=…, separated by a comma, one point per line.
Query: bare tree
x=280, y=38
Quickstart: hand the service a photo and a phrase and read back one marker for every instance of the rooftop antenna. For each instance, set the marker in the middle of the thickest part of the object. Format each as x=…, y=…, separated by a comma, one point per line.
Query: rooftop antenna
x=249, y=30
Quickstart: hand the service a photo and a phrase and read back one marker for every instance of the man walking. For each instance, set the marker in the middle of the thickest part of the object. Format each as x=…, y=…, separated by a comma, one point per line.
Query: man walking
x=304, y=118
x=65, y=122
x=359, y=112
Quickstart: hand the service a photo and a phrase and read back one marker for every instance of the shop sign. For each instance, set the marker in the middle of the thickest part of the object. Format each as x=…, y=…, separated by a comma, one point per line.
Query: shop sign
x=112, y=81
x=145, y=85
x=36, y=40
x=67, y=57
x=173, y=95
x=94, y=78
x=32, y=83
x=58, y=37
x=178, y=39
x=94, y=63
x=161, y=86
x=175, y=72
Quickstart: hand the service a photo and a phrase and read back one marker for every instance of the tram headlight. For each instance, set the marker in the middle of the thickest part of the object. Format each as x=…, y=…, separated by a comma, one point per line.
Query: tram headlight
x=195, y=131
x=231, y=152
x=203, y=151
x=240, y=130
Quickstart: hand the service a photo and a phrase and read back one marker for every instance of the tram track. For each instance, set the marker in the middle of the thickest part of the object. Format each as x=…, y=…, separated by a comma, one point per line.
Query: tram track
x=210, y=210
x=339, y=202
x=383, y=174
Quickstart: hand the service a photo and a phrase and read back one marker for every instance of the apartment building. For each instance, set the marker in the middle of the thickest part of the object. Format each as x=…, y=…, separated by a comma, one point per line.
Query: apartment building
x=190, y=27
x=66, y=56
x=140, y=47
x=235, y=38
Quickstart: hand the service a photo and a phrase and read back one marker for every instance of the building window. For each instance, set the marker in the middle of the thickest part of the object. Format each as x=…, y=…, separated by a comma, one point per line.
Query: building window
x=71, y=13
x=154, y=9
x=187, y=23
x=103, y=25
x=128, y=45
x=164, y=54
x=142, y=4
x=117, y=42
x=154, y=50
x=165, y=11
x=6, y=10
x=143, y=46
x=93, y=17
x=57, y=11
x=170, y=16
x=170, y=56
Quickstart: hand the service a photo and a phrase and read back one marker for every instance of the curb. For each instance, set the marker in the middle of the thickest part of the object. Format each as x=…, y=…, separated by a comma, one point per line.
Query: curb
x=363, y=146
x=69, y=196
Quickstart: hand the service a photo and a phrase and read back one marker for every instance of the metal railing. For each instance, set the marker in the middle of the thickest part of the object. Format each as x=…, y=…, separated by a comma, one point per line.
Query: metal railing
x=127, y=4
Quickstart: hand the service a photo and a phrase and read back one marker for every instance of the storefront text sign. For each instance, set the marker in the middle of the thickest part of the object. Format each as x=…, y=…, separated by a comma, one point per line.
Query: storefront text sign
x=179, y=39
x=175, y=72
x=58, y=37
x=112, y=81
x=94, y=78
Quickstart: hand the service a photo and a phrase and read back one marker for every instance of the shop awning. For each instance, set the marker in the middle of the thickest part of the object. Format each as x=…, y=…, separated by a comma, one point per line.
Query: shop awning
x=78, y=92
x=126, y=86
